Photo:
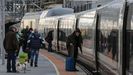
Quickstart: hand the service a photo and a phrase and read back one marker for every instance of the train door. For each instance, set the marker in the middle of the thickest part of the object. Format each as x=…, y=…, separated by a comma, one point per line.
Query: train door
x=129, y=42
x=87, y=28
x=109, y=36
x=62, y=35
x=65, y=29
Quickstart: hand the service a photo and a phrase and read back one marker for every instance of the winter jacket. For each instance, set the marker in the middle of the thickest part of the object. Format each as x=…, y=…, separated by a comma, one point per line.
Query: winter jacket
x=75, y=41
x=10, y=42
x=35, y=41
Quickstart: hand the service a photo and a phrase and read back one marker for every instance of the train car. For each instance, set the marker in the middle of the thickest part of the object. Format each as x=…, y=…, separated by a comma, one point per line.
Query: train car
x=32, y=19
x=95, y=33
x=107, y=36
x=114, y=39
x=86, y=24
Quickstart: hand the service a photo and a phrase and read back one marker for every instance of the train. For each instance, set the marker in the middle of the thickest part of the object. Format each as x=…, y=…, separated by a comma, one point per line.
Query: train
x=107, y=33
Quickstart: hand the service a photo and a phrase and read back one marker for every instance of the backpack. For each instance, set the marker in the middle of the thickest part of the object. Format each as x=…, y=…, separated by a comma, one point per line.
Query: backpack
x=35, y=42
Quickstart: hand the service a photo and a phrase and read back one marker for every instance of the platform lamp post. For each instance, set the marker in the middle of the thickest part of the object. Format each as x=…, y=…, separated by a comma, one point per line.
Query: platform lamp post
x=24, y=6
x=3, y=30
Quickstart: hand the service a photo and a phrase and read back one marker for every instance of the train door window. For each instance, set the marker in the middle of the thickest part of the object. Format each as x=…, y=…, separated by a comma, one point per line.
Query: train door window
x=129, y=41
x=85, y=25
x=62, y=31
x=69, y=27
x=108, y=38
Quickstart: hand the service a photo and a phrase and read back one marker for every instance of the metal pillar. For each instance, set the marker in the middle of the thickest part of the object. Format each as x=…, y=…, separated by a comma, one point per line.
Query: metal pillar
x=2, y=30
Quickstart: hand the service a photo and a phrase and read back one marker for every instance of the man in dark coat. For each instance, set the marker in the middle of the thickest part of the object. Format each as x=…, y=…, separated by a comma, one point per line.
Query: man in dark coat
x=74, y=41
x=11, y=46
x=25, y=37
x=34, y=43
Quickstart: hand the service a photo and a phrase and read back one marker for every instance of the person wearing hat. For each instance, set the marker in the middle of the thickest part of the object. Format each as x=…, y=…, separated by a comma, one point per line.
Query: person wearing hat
x=74, y=41
x=11, y=46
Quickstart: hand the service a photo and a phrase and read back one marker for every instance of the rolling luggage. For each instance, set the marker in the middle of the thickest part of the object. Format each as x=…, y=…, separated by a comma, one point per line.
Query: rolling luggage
x=70, y=64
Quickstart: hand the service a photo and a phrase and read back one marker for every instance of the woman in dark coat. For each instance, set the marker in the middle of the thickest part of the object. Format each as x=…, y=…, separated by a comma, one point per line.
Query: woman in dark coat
x=74, y=40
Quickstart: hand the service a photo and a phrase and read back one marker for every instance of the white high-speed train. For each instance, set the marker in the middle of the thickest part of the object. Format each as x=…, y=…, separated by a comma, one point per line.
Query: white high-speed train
x=107, y=33
x=31, y=19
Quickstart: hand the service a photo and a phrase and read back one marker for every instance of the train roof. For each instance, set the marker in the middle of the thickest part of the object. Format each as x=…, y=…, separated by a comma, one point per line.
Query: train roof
x=114, y=3
x=68, y=12
x=88, y=12
x=48, y=13
x=59, y=11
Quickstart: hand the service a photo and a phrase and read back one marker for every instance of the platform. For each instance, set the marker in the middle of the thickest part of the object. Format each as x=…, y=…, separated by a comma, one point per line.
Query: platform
x=49, y=64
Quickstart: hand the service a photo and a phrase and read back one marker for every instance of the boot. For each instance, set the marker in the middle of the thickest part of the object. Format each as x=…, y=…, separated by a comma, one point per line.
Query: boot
x=36, y=64
x=31, y=63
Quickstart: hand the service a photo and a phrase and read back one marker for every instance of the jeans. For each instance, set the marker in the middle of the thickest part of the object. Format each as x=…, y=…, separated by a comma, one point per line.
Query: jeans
x=34, y=53
x=11, y=62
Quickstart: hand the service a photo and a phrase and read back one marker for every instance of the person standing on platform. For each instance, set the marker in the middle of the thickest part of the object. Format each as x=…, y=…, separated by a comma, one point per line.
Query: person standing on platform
x=25, y=37
x=19, y=39
x=34, y=43
x=29, y=34
x=11, y=46
x=74, y=41
x=49, y=39
x=26, y=33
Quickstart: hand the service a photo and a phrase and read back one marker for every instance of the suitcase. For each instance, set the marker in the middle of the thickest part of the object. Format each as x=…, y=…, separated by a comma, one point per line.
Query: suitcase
x=70, y=64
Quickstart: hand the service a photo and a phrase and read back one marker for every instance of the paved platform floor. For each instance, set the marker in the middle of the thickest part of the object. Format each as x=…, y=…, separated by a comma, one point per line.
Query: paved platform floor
x=59, y=61
x=49, y=64
x=44, y=68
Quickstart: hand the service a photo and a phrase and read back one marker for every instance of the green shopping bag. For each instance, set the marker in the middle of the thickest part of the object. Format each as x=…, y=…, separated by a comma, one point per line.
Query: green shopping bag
x=23, y=57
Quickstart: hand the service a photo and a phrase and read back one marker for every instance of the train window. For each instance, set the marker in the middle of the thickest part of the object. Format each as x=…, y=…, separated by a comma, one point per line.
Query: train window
x=62, y=35
x=65, y=29
x=108, y=36
x=85, y=25
x=62, y=31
